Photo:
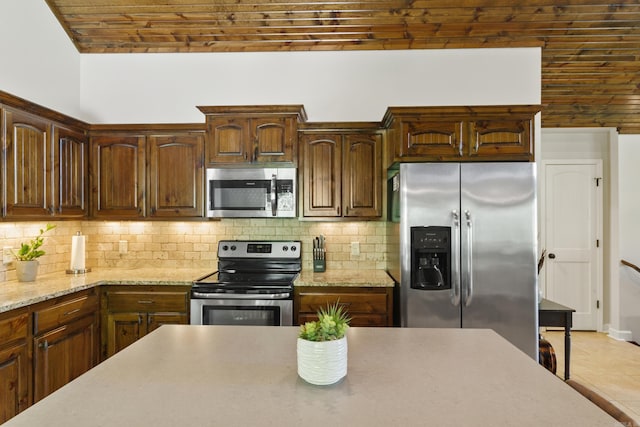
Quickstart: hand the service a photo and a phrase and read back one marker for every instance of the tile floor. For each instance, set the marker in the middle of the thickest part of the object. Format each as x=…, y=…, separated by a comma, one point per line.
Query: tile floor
x=607, y=366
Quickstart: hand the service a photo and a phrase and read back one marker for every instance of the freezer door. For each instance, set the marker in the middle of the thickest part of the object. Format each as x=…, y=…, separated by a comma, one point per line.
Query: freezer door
x=429, y=196
x=498, y=241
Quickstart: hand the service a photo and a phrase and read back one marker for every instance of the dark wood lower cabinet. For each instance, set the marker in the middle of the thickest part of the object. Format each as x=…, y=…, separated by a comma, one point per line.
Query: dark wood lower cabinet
x=367, y=306
x=131, y=312
x=63, y=354
x=14, y=367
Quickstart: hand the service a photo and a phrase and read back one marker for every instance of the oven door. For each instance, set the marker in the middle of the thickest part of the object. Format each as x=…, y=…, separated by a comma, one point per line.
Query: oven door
x=227, y=310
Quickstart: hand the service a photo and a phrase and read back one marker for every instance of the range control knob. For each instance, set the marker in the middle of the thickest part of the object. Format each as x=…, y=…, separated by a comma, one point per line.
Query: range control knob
x=233, y=247
x=225, y=247
x=285, y=248
x=293, y=249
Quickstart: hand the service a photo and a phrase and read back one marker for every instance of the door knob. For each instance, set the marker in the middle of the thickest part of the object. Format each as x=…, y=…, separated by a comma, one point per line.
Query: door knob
x=552, y=256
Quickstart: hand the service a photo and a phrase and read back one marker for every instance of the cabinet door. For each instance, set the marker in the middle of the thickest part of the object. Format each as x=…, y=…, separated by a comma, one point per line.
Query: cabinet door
x=28, y=161
x=71, y=178
x=117, y=176
x=432, y=139
x=273, y=140
x=14, y=380
x=500, y=138
x=124, y=329
x=63, y=354
x=176, y=175
x=361, y=180
x=322, y=175
x=228, y=141
x=155, y=320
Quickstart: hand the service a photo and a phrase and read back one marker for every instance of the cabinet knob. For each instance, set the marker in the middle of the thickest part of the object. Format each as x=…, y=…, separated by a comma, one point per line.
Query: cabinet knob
x=44, y=345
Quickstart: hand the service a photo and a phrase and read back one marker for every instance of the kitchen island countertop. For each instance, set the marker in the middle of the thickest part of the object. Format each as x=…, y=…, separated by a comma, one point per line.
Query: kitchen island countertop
x=241, y=376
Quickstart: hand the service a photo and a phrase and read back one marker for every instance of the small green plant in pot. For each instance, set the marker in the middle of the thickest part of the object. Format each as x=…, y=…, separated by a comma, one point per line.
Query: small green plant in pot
x=322, y=346
x=28, y=254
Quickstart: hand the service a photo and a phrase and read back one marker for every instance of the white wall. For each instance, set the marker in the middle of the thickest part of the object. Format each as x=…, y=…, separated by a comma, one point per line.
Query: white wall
x=38, y=62
x=629, y=239
x=333, y=86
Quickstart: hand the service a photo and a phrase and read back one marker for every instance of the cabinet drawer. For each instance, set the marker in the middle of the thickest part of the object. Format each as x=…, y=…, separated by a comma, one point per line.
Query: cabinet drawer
x=14, y=328
x=64, y=312
x=354, y=302
x=147, y=301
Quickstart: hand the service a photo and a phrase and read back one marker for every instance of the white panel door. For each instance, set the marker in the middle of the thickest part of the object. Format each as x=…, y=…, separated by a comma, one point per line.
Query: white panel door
x=573, y=215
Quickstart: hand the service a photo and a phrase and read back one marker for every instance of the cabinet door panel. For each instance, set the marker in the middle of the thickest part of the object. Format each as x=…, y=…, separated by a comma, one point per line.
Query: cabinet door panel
x=228, y=141
x=123, y=329
x=118, y=176
x=322, y=175
x=14, y=379
x=71, y=154
x=433, y=139
x=176, y=175
x=497, y=137
x=273, y=139
x=155, y=320
x=64, y=354
x=28, y=152
x=361, y=187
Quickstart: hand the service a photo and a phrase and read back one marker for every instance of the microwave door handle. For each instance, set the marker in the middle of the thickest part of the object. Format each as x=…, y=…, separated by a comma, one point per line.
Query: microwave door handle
x=274, y=196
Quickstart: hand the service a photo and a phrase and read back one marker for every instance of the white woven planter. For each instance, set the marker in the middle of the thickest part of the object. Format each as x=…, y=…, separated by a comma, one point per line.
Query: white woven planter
x=322, y=362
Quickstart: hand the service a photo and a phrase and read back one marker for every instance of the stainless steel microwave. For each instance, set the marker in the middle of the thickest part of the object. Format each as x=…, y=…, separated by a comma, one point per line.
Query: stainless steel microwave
x=251, y=192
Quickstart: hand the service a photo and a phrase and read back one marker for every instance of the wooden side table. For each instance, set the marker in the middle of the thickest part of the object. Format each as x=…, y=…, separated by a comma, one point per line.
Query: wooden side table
x=553, y=314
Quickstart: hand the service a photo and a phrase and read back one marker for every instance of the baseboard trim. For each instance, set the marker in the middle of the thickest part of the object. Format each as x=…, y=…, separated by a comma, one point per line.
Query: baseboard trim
x=619, y=335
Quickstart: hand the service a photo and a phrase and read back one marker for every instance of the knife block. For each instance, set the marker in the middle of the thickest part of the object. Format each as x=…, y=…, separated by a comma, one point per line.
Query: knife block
x=319, y=265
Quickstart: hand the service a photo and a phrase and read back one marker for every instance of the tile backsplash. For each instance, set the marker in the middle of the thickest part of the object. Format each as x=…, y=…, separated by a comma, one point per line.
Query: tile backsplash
x=129, y=244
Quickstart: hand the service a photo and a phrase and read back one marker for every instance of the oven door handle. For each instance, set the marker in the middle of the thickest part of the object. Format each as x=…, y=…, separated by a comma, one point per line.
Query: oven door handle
x=205, y=295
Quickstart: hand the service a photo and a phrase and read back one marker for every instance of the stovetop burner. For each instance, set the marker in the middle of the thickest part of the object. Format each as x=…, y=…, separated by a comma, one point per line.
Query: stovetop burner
x=253, y=267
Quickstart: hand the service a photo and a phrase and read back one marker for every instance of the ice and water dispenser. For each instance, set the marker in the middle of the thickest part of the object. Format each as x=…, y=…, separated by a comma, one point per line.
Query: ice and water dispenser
x=431, y=258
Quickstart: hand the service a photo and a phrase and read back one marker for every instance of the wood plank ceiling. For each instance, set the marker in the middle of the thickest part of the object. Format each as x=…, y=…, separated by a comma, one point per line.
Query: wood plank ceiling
x=590, y=49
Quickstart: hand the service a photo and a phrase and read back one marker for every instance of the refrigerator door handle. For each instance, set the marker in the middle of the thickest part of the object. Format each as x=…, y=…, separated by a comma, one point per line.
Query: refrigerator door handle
x=469, y=288
x=455, y=261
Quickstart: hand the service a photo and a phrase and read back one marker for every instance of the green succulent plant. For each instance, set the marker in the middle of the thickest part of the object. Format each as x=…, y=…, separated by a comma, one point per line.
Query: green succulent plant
x=332, y=324
x=31, y=250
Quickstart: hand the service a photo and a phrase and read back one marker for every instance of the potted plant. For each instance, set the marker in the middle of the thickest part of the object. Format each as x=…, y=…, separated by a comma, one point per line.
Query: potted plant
x=27, y=256
x=322, y=347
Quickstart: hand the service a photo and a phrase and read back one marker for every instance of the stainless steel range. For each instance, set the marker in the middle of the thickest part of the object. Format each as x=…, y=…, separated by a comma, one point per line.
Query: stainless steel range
x=253, y=284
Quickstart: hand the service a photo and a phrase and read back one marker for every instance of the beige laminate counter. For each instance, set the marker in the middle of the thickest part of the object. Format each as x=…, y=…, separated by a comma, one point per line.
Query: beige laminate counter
x=357, y=278
x=14, y=294
x=247, y=376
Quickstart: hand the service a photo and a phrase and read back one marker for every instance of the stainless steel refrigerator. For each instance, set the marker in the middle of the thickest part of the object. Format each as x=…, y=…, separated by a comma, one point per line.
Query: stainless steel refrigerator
x=468, y=248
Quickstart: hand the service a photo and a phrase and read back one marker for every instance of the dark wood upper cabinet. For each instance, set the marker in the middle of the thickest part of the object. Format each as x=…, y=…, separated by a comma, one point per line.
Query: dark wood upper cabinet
x=341, y=167
x=71, y=173
x=483, y=133
x=252, y=134
x=176, y=175
x=29, y=166
x=117, y=169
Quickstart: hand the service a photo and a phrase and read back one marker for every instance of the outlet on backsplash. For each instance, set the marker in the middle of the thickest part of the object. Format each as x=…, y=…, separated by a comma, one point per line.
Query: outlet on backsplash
x=7, y=256
x=355, y=248
x=123, y=246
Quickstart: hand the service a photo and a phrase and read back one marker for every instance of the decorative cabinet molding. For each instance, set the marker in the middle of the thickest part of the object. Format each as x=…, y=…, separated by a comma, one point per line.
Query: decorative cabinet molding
x=252, y=134
x=341, y=170
x=484, y=133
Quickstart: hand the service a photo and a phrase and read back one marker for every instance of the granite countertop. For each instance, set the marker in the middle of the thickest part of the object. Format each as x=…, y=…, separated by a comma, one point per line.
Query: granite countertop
x=375, y=278
x=231, y=376
x=14, y=294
